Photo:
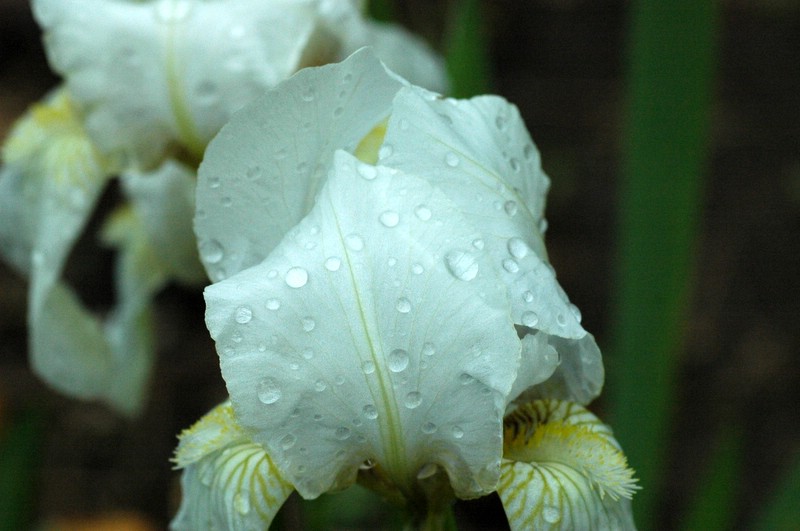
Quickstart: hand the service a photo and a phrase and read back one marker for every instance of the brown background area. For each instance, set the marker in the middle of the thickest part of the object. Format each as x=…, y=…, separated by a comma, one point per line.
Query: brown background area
x=561, y=62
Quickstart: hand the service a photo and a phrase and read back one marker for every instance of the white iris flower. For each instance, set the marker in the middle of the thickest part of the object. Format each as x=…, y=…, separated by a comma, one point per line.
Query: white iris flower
x=385, y=312
x=146, y=85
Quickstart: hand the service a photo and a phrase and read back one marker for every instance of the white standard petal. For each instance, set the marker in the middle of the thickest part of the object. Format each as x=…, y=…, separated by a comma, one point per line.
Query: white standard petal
x=172, y=70
x=228, y=481
x=164, y=201
x=261, y=174
x=373, y=333
x=480, y=154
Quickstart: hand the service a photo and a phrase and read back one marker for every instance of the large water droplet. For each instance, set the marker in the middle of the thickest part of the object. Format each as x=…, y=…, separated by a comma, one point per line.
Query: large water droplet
x=243, y=315
x=389, y=218
x=370, y=412
x=211, y=251
x=530, y=319
x=403, y=305
x=517, y=247
x=461, y=264
x=398, y=360
x=296, y=277
x=423, y=212
x=268, y=391
x=413, y=400
x=354, y=242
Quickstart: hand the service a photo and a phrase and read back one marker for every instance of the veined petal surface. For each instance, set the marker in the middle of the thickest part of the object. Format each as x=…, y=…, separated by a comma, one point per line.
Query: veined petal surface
x=563, y=469
x=228, y=481
x=479, y=153
x=371, y=333
x=262, y=172
x=172, y=69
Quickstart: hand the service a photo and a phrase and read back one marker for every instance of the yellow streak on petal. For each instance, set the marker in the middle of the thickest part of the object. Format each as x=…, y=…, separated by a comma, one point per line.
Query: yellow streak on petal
x=562, y=469
x=367, y=149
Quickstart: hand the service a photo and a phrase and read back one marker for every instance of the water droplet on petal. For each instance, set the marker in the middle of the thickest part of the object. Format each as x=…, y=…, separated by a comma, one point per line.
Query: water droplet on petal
x=510, y=265
x=211, y=251
x=398, y=360
x=529, y=151
x=465, y=379
x=342, y=433
x=528, y=297
x=517, y=247
x=213, y=182
x=530, y=319
x=514, y=163
x=428, y=349
x=268, y=391
x=451, y=159
x=403, y=305
x=273, y=304
x=500, y=122
x=226, y=201
x=423, y=212
x=280, y=153
x=417, y=269
x=296, y=277
x=243, y=315
x=241, y=502
x=561, y=320
x=385, y=151
x=308, y=324
x=462, y=264
x=288, y=441
x=413, y=400
x=551, y=514
x=333, y=263
x=429, y=428
x=368, y=367
x=370, y=412
x=457, y=432
x=510, y=207
x=354, y=242
x=320, y=386
x=389, y=218
x=308, y=94
x=337, y=112
x=478, y=244
x=366, y=171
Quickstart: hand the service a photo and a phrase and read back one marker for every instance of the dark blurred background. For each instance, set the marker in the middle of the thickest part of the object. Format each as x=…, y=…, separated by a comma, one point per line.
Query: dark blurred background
x=562, y=62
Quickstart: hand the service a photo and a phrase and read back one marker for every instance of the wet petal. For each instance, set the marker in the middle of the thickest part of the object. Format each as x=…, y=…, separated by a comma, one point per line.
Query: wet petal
x=563, y=469
x=365, y=332
x=171, y=69
x=228, y=481
x=480, y=154
x=261, y=174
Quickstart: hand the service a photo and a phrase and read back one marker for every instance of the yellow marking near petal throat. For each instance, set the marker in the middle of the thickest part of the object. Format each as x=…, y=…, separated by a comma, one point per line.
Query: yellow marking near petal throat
x=367, y=149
